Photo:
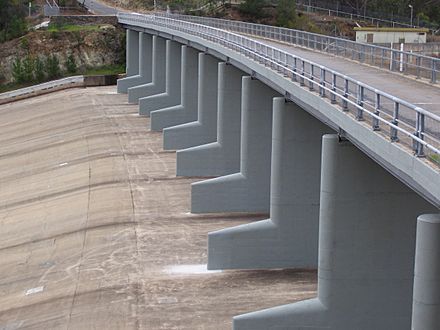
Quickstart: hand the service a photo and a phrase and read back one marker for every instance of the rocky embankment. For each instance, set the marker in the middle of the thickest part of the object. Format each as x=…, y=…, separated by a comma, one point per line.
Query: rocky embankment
x=91, y=46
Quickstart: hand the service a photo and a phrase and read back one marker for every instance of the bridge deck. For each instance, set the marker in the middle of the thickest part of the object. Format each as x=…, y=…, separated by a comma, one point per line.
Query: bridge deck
x=92, y=220
x=423, y=94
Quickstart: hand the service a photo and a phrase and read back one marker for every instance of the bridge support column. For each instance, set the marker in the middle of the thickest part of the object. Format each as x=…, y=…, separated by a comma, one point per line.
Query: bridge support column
x=157, y=84
x=187, y=110
x=133, y=40
x=426, y=299
x=248, y=190
x=366, y=250
x=221, y=157
x=290, y=237
x=204, y=129
x=171, y=96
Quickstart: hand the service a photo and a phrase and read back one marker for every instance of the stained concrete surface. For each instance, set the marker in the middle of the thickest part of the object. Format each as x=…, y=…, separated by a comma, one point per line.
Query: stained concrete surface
x=94, y=225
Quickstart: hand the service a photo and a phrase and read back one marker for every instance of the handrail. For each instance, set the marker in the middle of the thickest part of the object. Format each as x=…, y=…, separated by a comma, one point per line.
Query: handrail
x=416, y=65
x=402, y=119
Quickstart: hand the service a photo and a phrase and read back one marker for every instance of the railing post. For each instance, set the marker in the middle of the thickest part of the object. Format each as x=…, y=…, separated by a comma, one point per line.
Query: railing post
x=344, y=100
x=420, y=130
x=375, y=123
x=294, y=68
x=312, y=76
x=322, y=89
x=382, y=58
x=434, y=71
x=418, y=62
x=393, y=131
x=360, y=102
x=333, y=95
x=301, y=82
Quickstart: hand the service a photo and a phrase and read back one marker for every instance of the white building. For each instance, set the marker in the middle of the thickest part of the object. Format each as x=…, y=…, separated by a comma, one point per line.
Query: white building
x=374, y=35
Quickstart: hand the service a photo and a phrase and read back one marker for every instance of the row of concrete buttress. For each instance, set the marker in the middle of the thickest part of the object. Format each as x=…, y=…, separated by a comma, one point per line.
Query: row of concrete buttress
x=330, y=206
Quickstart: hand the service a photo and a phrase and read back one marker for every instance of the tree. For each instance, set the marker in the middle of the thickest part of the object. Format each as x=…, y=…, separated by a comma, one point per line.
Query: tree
x=17, y=71
x=12, y=19
x=71, y=64
x=40, y=76
x=28, y=69
x=286, y=13
x=53, y=67
x=253, y=8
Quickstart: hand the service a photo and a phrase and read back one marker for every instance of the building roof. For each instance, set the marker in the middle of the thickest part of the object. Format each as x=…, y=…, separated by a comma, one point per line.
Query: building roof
x=390, y=29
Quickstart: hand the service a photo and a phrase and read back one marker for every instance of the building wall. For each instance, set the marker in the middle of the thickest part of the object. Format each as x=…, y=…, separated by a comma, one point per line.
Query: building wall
x=390, y=36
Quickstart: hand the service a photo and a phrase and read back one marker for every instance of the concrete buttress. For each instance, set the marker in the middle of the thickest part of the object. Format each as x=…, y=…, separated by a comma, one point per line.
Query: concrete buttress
x=171, y=96
x=187, y=110
x=426, y=297
x=143, y=74
x=221, y=157
x=248, y=190
x=204, y=129
x=157, y=84
x=366, y=250
x=289, y=239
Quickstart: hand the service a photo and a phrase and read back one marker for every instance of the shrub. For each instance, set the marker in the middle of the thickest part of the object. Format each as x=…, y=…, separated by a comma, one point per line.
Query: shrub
x=53, y=67
x=28, y=65
x=253, y=8
x=71, y=64
x=17, y=71
x=40, y=76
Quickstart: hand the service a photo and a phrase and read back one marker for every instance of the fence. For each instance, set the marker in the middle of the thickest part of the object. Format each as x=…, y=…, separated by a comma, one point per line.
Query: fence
x=401, y=121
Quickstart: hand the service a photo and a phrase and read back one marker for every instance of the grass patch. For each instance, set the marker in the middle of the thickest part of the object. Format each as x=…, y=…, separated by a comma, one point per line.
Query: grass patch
x=73, y=28
x=106, y=69
x=435, y=158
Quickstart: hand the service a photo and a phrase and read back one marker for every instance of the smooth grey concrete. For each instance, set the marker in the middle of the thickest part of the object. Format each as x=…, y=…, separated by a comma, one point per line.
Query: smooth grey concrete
x=289, y=239
x=171, y=96
x=204, y=129
x=418, y=174
x=132, y=48
x=248, y=190
x=223, y=156
x=157, y=84
x=144, y=71
x=426, y=296
x=186, y=111
x=366, y=250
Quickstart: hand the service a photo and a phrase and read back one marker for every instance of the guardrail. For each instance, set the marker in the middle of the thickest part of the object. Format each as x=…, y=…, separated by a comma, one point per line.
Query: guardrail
x=416, y=65
x=401, y=121
x=75, y=81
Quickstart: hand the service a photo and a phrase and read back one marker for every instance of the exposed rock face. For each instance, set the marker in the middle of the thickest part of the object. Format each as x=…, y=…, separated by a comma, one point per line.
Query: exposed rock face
x=105, y=46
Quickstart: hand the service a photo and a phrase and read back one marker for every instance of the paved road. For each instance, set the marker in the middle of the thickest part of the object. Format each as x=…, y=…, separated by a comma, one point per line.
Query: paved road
x=99, y=8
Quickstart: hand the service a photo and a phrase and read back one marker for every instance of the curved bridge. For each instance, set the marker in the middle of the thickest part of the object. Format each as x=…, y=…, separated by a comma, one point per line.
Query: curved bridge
x=344, y=157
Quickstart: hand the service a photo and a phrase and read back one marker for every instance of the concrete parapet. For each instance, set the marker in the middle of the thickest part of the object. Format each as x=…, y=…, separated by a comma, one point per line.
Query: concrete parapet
x=171, y=96
x=187, y=110
x=157, y=84
x=248, y=190
x=290, y=237
x=133, y=41
x=426, y=296
x=204, y=129
x=366, y=250
x=223, y=156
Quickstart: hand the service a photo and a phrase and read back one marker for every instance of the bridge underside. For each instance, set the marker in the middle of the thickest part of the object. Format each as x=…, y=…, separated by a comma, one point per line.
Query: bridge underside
x=330, y=206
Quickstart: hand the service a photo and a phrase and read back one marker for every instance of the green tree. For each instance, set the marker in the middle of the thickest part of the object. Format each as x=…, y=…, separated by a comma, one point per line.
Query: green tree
x=71, y=64
x=12, y=19
x=40, y=76
x=17, y=71
x=286, y=13
x=28, y=69
x=53, y=67
x=253, y=8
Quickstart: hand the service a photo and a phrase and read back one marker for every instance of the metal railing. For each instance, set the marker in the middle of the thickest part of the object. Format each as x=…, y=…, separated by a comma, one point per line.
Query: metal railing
x=416, y=65
x=43, y=87
x=402, y=121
